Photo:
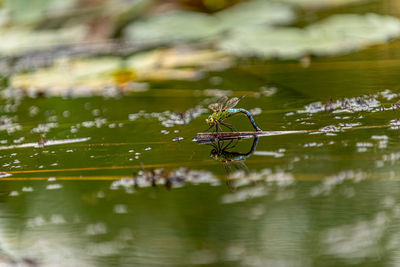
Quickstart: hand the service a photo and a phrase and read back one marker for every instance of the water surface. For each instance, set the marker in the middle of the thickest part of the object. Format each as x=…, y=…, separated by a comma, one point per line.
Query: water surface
x=325, y=198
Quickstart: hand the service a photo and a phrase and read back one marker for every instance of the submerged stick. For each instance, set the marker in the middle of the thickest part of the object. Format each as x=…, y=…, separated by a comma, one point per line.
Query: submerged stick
x=204, y=138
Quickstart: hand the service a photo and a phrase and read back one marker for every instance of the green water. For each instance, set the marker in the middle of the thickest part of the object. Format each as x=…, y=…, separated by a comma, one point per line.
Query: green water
x=329, y=198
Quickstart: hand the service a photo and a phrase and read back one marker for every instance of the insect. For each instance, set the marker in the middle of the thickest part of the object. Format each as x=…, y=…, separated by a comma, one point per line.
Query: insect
x=224, y=109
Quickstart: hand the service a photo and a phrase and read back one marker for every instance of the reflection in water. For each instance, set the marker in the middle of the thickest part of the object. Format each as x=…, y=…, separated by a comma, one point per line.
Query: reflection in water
x=223, y=153
x=168, y=178
x=231, y=160
x=96, y=224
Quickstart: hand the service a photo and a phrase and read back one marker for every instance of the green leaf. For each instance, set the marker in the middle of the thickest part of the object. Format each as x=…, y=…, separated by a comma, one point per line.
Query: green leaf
x=173, y=26
x=191, y=26
x=256, y=13
x=19, y=40
x=336, y=35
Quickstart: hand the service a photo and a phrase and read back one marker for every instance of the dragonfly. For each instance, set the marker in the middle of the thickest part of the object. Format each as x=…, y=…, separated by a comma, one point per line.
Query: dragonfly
x=224, y=109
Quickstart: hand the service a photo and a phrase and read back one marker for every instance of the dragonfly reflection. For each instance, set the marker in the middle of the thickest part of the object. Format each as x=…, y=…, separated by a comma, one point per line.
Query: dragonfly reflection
x=231, y=160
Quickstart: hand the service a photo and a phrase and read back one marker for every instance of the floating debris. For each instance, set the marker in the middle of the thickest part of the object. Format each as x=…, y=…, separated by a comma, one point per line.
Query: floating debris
x=97, y=122
x=27, y=189
x=13, y=193
x=44, y=127
x=120, y=209
x=7, y=124
x=54, y=186
x=368, y=103
x=48, y=143
x=395, y=124
x=363, y=103
x=170, y=119
x=313, y=144
x=4, y=174
x=328, y=129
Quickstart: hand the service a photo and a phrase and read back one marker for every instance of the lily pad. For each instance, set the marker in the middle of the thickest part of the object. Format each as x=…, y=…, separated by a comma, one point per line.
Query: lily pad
x=21, y=11
x=18, y=40
x=173, y=26
x=256, y=13
x=82, y=77
x=320, y=4
x=339, y=34
x=190, y=26
x=75, y=77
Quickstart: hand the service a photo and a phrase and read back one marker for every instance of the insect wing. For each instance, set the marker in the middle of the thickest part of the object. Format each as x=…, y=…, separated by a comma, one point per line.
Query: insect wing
x=214, y=107
x=231, y=103
x=240, y=165
x=218, y=106
x=222, y=101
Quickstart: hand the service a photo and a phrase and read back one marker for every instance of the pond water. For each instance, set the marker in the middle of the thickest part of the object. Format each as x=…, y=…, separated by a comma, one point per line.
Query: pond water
x=328, y=197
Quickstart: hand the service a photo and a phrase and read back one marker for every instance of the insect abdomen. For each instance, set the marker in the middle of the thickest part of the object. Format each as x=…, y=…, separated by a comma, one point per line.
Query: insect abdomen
x=248, y=114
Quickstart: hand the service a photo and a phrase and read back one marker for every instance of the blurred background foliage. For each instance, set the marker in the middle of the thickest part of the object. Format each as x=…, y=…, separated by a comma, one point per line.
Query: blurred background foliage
x=45, y=38
x=71, y=21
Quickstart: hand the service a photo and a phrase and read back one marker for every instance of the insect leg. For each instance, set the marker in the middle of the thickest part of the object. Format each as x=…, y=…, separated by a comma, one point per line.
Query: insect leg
x=219, y=145
x=230, y=126
x=209, y=128
x=227, y=146
x=219, y=126
x=234, y=128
